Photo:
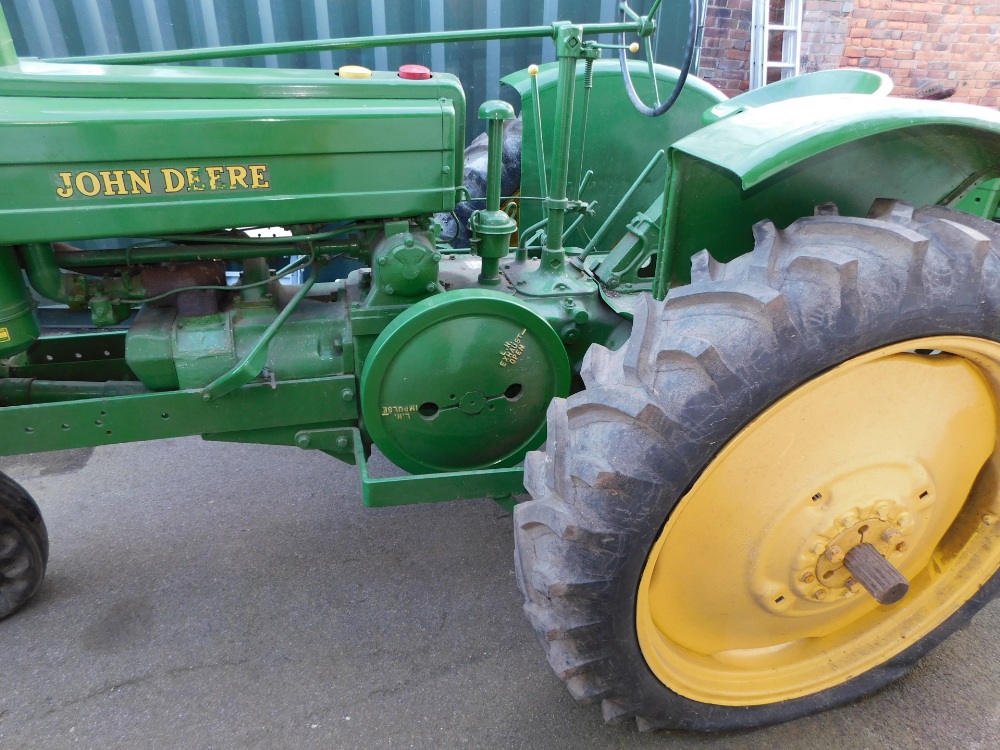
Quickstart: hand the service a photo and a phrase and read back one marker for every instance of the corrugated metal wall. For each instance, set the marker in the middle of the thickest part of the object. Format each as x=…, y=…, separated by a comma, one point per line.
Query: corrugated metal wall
x=58, y=28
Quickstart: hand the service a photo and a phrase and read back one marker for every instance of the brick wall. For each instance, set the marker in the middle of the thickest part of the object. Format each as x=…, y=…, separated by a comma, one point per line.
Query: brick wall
x=927, y=43
x=725, y=51
x=825, y=28
x=920, y=43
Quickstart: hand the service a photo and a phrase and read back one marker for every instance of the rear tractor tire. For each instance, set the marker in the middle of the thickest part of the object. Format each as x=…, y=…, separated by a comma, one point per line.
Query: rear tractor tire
x=24, y=546
x=686, y=557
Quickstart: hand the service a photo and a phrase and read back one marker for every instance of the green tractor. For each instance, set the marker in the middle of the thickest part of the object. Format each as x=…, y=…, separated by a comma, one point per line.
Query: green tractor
x=745, y=357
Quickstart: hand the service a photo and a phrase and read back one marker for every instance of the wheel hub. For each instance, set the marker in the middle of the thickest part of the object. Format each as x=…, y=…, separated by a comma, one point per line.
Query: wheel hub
x=818, y=573
x=831, y=521
x=886, y=536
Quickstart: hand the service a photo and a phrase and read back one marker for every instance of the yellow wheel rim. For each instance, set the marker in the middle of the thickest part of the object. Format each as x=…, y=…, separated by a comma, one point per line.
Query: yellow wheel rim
x=745, y=599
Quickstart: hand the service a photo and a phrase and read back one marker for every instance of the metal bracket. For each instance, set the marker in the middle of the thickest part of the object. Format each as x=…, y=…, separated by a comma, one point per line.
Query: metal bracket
x=498, y=484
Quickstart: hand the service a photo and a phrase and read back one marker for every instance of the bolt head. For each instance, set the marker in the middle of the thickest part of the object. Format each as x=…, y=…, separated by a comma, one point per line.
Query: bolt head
x=382, y=260
x=342, y=442
x=989, y=519
x=889, y=534
x=430, y=287
x=807, y=577
x=834, y=554
x=902, y=547
x=303, y=441
x=389, y=290
x=819, y=595
x=852, y=585
x=848, y=520
x=347, y=394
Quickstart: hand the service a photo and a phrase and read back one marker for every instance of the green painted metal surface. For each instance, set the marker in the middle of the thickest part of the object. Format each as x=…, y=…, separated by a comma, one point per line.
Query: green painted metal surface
x=617, y=142
x=462, y=381
x=387, y=40
x=168, y=351
x=346, y=444
x=491, y=227
x=980, y=198
x=779, y=161
x=27, y=391
x=760, y=143
x=836, y=81
x=18, y=325
x=123, y=419
x=99, y=356
x=144, y=167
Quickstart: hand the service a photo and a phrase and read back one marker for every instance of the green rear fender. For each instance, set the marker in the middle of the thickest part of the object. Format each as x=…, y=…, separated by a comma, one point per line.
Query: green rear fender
x=780, y=160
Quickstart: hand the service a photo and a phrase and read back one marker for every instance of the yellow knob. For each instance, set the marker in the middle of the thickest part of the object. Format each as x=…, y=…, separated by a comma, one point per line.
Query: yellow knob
x=532, y=70
x=633, y=47
x=354, y=71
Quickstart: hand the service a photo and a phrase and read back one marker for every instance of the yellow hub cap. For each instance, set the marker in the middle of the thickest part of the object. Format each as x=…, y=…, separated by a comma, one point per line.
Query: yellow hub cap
x=745, y=598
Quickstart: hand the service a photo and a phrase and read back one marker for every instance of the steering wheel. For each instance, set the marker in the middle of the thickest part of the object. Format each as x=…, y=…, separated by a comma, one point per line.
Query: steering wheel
x=637, y=102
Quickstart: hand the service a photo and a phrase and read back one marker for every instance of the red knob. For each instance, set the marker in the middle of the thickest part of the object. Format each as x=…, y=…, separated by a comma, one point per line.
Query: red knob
x=414, y=72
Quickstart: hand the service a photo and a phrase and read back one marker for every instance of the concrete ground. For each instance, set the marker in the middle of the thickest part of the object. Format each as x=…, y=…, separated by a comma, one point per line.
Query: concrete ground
x=206, y=596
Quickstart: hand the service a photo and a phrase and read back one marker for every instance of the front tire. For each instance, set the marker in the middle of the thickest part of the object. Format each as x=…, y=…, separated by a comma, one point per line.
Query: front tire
x=24, y=546
x=681, y=558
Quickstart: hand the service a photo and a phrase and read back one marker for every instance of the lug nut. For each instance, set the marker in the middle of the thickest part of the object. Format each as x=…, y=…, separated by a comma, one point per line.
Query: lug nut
x=889, y=534
x=902, y=547
x=834, y=554
x=819, y=595
x=989, y=519
x=852, y=585
x=848, y=521
x=807, y=577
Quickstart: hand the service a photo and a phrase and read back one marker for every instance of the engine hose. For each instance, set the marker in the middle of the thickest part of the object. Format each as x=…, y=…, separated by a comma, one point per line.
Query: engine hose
x=685, y=69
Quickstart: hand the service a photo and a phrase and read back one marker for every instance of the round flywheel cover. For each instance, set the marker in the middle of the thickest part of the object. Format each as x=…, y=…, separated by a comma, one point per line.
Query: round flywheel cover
x=462, y=381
